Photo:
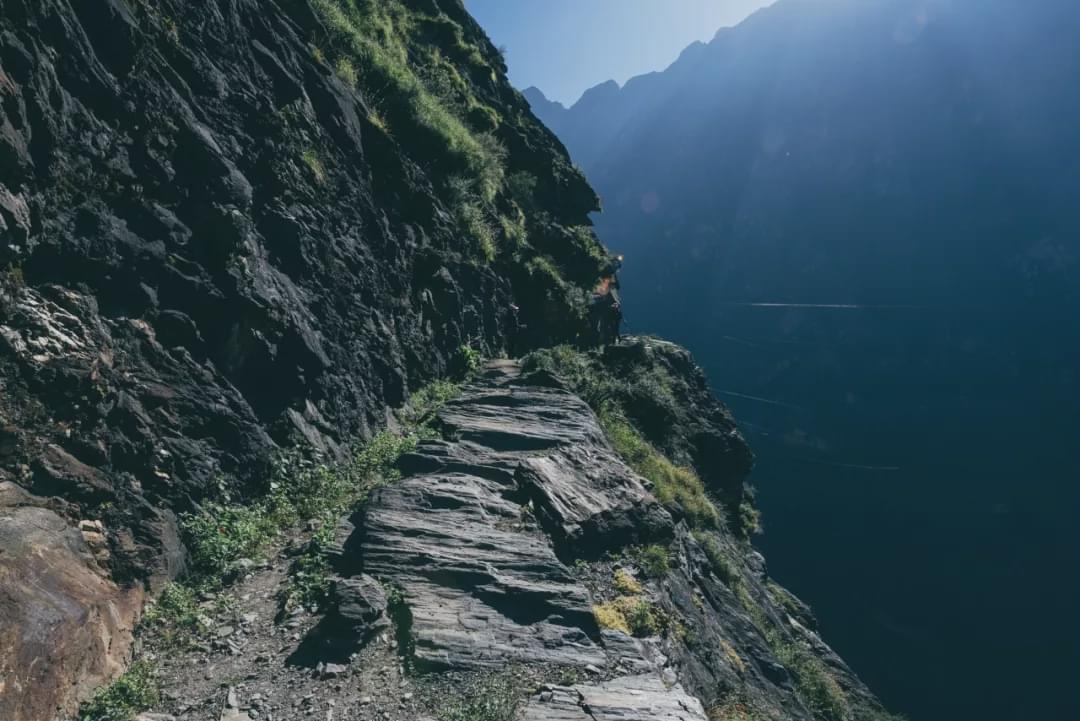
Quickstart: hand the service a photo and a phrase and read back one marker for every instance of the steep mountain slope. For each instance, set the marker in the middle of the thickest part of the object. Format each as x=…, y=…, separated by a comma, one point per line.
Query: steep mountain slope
x=903, y=173
x=229, y=227
x=245, y=243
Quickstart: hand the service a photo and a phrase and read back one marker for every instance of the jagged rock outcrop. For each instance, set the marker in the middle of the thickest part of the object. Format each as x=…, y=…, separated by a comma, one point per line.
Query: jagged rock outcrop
x=494, y=541
x=465, y=538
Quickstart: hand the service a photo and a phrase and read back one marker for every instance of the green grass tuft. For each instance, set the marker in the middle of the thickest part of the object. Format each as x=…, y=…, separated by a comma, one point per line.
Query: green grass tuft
x=655, y=561
x=816, y=686
x=347, y=72
x=315, y=165
x=132, y=693
x=672, y=485
x=470, y=359
x=473, y=221
x=174, y=617
x=718, y=560
x=626, y=584
x=632, y=615
x=378, y=36
x=493, y=698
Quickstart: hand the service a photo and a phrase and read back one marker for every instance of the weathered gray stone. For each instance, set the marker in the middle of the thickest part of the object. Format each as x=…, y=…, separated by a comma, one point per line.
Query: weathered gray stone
x=630, y=698
x=482, y=582
x=479, y=592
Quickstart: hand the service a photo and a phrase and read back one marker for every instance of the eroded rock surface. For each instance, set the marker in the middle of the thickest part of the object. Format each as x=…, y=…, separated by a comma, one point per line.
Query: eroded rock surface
x=631, y=698
x=465, y=539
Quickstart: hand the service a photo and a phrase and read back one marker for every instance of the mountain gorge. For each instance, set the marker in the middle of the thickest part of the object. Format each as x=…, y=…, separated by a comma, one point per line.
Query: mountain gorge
x=253, y=462
x=861, y=218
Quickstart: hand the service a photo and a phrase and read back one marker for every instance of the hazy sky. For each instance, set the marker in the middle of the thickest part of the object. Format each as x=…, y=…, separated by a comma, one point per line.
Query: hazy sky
x=565, y=47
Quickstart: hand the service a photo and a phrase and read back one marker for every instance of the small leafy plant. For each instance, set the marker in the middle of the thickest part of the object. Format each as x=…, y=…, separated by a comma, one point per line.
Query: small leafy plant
x=496, y=697
x=132, y=693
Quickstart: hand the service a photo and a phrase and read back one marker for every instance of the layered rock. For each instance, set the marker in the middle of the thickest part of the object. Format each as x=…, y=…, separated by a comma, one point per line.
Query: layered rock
x=632, y=698
x=476, y=542
x=465, y=541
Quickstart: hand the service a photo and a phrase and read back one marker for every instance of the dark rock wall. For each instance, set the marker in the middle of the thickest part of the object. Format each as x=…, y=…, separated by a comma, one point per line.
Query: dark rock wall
x=195, y=290
x=208, y=251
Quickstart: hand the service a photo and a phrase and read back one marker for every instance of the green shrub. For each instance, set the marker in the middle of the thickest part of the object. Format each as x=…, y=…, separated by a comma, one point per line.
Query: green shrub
x=655, y=561
x=632, y=615
x=542, y=265
x=309, y=578
x=221, y=535
x=642, y=617
x=375, y=463
x=585, y=239
x=378, y=120
x=749, y=515
x=574, y=367
x=348, y=485
x=175, y=616
x=475, y=224
x=132, y=693
x=484, y=117
x=513, y=227
x=471, y=359
x=431, y=398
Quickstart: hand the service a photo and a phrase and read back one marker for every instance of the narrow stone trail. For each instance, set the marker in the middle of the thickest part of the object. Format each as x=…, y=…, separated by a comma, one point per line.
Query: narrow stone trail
x=243, y=672
x=480, y=537
x=478, y=542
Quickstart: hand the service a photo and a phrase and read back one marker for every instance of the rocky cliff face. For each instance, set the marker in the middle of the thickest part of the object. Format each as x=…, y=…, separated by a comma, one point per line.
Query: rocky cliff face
x=236, y=227
x=221, y=236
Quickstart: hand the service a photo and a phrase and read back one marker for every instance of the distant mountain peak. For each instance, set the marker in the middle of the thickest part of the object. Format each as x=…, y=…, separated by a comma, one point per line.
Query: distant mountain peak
x=601, y=93
x=535, y=94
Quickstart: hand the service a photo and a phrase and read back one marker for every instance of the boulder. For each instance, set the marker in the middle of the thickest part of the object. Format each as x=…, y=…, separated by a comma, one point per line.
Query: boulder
x=64, y=626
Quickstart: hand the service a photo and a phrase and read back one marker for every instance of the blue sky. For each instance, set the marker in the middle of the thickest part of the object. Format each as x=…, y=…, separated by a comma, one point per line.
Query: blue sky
x=565, y=47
